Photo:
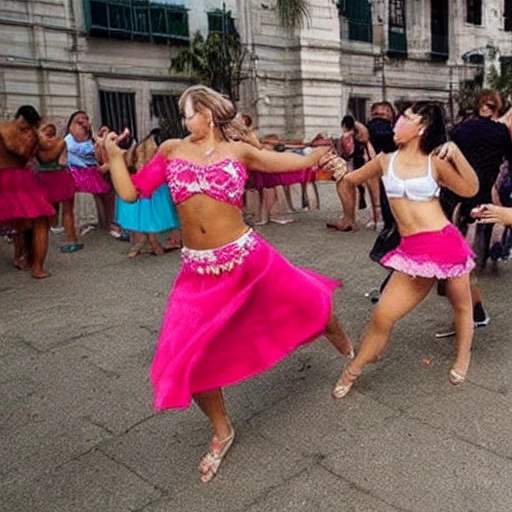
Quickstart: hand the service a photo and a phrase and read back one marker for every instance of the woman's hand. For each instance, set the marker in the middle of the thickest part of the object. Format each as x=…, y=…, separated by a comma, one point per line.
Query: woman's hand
x=110, y=144
x=447, y=151
x=331, y=162
x=492, y=214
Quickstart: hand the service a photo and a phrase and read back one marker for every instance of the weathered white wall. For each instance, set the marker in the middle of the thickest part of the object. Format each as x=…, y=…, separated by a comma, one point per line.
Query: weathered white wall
x=298, y=83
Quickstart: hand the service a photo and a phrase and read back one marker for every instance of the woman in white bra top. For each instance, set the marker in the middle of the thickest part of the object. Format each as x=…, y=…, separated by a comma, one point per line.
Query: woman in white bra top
x=431, y=247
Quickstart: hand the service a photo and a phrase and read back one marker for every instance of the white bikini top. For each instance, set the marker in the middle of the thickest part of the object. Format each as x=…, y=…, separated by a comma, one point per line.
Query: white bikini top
x=422, y=188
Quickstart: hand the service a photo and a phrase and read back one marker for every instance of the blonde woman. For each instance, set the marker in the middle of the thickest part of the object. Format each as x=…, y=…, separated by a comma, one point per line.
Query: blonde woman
x=237, y=306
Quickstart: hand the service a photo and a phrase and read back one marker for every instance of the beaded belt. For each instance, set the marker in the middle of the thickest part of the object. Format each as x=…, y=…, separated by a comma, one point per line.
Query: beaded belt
x=221, y=259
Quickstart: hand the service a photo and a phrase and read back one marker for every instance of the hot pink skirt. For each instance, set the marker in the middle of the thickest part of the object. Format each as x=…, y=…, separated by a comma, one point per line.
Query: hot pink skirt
x=261, y=180
x=232, y=313
x=89, y=179
x=21, y=197
x=58, y=185
x=440, y=254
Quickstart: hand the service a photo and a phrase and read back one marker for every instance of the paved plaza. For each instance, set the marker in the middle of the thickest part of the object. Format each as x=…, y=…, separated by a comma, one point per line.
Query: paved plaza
x=78, y=432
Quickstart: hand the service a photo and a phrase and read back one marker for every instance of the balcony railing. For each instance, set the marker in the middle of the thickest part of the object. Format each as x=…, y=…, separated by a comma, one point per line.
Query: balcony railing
x=141, y=20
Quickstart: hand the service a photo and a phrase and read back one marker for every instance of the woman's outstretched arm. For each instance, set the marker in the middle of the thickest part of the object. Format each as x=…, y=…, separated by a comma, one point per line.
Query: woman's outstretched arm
x=265, y=160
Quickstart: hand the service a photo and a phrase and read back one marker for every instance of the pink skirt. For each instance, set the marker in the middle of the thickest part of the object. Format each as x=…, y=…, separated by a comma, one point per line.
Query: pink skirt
x=89, y=179
x=440, y=254
x=232, y=313
x=21, y=197
x=261, y=180
x=57, y=185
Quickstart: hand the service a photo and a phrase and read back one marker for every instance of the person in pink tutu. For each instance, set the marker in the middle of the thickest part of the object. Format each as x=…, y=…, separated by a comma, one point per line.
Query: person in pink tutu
x=431, y=247
x=88, y=173
x=237, y=306
x=57, y=182
x=23, y=205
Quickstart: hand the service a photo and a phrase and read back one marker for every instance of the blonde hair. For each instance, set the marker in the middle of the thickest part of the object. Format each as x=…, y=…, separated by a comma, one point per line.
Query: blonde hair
x=223, y=111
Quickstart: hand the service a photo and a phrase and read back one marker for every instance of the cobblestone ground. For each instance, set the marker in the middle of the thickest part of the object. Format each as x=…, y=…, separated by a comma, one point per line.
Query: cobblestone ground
x=78, y=432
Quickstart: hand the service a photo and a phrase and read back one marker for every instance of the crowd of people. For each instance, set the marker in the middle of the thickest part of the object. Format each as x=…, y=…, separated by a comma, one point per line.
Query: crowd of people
x=426, y=188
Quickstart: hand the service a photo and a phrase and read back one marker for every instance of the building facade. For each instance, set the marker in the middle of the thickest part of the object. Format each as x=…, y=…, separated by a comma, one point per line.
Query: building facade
x=111, y=58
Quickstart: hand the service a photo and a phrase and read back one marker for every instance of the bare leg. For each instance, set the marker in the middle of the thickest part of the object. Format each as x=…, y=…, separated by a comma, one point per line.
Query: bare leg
x=338, y=337
x=459, y=294
x=20, y=259
x=139, y=241
x=279, y=208
x=213, y=405
x=347, y=194
x=68, y=219
x=40, y=247
x=400, y=296
x=173, y=241
x=102, y=212
x=373, y=185
x=476, y=294
x=155, y=244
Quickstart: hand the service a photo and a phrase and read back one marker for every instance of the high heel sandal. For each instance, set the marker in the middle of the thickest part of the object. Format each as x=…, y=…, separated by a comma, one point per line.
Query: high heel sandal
x=456, y=377
x=211, y=461
x=341, y=390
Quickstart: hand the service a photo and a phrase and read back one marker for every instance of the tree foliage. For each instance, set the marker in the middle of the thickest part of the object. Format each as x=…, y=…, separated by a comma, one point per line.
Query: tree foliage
x=216, y=61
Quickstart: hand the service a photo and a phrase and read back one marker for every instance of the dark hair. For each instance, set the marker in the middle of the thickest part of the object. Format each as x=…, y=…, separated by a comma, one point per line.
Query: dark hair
x=30, y=114
x=72, y=116
x=348, y=122
x=432, y=115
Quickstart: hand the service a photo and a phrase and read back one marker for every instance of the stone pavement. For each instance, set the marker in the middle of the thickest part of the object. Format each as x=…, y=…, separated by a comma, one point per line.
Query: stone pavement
x=78, y=433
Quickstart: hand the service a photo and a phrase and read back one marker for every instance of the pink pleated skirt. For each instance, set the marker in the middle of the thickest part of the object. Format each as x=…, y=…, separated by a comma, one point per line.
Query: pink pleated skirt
x=441, y=254
x=21, y=196
x=232, y=313
x=57, y=185
x=89, y=179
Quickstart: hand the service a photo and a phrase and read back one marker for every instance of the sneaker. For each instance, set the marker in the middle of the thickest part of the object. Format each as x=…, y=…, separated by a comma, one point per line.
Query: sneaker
x=86, y=229
x=480, y=316
x=57, y=230
x=448, y=333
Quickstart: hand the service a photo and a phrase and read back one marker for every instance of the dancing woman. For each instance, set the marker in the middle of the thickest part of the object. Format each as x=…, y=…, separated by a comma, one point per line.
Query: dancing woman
x=237, y=306
x=431, y=247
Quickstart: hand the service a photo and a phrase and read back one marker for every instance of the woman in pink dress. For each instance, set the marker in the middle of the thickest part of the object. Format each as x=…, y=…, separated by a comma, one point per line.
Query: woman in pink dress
x=237, y=306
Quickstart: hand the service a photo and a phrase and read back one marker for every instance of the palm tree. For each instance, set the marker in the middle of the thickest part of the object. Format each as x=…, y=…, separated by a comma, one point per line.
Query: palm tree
x=293, y=13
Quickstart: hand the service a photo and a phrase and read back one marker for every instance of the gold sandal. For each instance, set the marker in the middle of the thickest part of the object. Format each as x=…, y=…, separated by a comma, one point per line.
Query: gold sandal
x=341, y=390
x=210, y=462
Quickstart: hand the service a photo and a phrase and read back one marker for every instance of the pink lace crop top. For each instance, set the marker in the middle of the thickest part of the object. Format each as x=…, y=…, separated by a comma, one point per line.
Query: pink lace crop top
x=223, y=180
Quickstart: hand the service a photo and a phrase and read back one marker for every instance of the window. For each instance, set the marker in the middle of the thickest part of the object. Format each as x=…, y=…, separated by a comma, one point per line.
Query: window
x=506, y=66
x=474, y=12
x=118, y=111
x=507, y=14
x=357, y=107
x=439, y=29
x=397, y=32
x=358, y=20
x=158, y=21
x=164, y=108
x=221, y=21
